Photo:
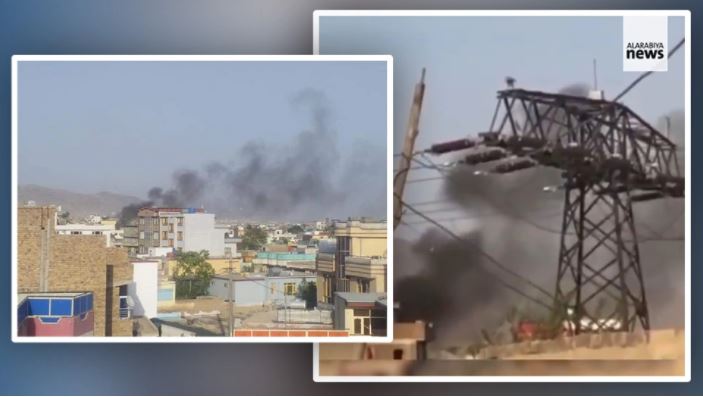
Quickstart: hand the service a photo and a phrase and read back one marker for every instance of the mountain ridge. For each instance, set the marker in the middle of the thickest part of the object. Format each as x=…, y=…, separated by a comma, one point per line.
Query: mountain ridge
x=79, y=205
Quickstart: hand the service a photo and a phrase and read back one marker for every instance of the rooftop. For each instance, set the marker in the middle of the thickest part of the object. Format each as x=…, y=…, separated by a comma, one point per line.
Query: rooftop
x=21, y=297
x=173, y=209
x=85, y=226
x=363, y=297
x=285, y=256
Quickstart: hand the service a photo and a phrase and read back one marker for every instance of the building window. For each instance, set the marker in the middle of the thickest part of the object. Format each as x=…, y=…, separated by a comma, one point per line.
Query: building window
x=155, y=221
x=141, y=221
x=365, y=286
x=369, y=322
x=362, y=326
x=155, y=236
x=141, y=235
x=164, y=235
x=290, y=288
x=164, y=221
x=180, y=236
x=170, y=242
x=180, y=221
x=170, y=228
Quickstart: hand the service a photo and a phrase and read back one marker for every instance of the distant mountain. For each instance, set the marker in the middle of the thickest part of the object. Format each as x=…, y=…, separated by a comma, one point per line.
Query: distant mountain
x=78, y=204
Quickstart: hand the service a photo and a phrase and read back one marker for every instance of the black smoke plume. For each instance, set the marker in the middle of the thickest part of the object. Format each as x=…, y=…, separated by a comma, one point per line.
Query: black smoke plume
x=519, y=224
x=306, y=177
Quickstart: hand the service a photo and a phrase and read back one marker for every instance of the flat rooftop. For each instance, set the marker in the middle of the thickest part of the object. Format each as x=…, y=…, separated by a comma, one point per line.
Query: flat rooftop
x=363, y=297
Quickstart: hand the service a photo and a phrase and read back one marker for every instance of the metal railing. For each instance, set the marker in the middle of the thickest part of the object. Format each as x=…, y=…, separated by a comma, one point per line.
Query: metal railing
x=125, y=308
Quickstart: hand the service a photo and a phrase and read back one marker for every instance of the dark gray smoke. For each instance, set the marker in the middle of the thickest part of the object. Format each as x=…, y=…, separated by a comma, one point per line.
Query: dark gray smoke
x=278, y=181
x=129, y=212
x=523, y=233
x=189, y=186
x=304, y=178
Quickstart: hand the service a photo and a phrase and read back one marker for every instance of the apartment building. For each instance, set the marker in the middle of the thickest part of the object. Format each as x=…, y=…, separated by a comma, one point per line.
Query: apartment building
x=185, y=229
x=51, y=265
x=354, y=261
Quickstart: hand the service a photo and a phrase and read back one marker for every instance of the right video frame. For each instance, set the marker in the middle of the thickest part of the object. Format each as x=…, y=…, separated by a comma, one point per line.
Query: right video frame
x=541, y=196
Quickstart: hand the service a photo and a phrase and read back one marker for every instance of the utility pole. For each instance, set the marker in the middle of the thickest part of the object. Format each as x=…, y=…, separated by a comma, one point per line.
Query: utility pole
x=231, y=296
x=408, y=149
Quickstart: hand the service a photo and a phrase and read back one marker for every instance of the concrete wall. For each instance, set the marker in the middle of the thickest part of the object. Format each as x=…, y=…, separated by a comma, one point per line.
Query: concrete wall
x=199, y=233
x=340, y=318
x=259, y=291
x=302, y=316
x=276, y=287
x=246, y=292
x=221, y=265
x=324, y=287
x=144, y=289
x=166, y=294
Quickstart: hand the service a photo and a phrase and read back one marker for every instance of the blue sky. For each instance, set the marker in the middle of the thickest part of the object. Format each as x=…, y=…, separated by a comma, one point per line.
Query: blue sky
x=468, y=58
x=127, y=126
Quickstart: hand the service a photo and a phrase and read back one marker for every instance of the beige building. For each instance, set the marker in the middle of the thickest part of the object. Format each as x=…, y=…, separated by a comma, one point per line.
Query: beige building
x=48, y=262
x=355, y=261
x=220, y=265
x=360, y=313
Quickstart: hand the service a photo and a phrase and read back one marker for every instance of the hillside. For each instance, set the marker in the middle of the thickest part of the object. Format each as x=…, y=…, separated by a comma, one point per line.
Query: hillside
x=78, y=204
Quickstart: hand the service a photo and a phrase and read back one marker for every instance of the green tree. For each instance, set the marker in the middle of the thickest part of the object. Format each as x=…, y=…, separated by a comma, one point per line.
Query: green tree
x=307, y=291
x=296, y=229
x=193, y=274
x=254, y=238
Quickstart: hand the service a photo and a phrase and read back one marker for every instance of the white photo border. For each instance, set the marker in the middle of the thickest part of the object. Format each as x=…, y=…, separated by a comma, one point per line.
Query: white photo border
x=387, y=59
x=686, y=14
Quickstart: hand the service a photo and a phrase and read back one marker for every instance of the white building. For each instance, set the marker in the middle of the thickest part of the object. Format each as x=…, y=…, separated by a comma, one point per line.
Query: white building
x=200, y=233
x=144, y=288
x=108, y=231
x=188, y=229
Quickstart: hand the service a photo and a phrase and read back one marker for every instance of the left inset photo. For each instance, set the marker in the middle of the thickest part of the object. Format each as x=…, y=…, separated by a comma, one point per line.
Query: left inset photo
x=202, y=198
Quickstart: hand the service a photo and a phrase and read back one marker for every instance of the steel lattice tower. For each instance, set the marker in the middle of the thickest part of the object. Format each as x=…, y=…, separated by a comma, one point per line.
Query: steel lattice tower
x=610, y=157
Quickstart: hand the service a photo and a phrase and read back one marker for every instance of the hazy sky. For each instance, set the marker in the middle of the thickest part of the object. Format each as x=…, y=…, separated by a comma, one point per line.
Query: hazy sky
x=127, y=126
x=468, y=58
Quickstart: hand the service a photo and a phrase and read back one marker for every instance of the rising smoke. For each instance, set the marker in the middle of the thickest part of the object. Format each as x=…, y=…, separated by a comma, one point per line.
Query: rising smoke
x=523, y=234
x=307, y=177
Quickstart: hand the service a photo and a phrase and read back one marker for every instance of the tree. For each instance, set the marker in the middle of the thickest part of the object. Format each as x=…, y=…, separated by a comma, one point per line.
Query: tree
x=296, y=229
x=329, y=229
x=254, y=238
x=193, y=273
x=307, y=291
x=64, y=218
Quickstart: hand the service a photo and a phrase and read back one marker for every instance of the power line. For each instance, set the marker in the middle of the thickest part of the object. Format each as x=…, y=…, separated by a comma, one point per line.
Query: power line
x=490, y=258
x=515, y=214
x=643, y=75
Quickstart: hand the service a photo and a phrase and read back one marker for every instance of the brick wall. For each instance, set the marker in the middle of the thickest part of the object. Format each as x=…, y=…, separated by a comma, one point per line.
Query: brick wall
x=75, y=263
x=32, y=224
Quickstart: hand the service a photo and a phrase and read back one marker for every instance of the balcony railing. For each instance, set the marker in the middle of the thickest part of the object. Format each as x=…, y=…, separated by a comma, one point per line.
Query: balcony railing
x=125, y=308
